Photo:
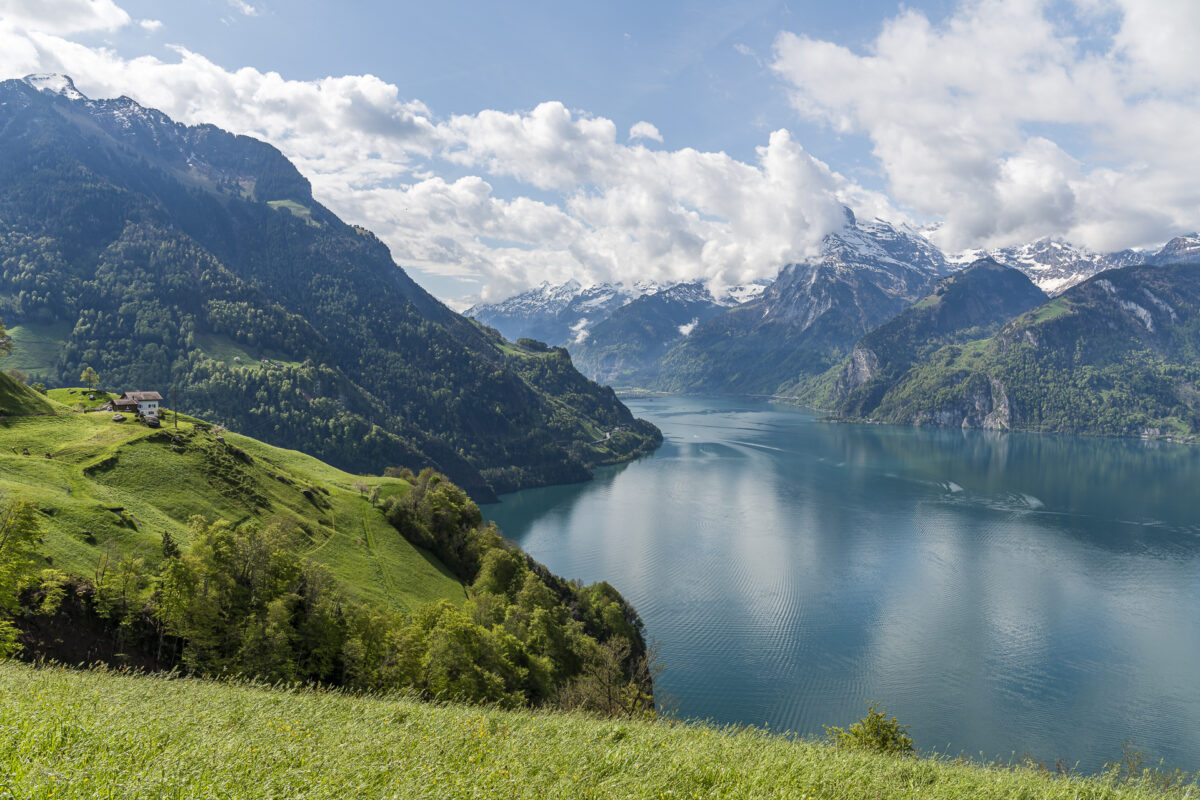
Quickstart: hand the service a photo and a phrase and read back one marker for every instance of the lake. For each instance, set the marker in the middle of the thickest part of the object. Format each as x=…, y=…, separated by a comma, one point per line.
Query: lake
x=1003, y=594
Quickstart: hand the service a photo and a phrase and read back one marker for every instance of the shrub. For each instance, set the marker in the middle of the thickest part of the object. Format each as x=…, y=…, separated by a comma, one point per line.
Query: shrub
x=874, y=732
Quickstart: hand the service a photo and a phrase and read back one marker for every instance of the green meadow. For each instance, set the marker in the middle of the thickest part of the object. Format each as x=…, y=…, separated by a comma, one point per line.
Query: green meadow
x=77, y=734
x=107, y=488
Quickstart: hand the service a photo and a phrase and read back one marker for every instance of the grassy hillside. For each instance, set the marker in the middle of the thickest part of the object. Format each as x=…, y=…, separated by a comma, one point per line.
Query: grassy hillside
x=102, y=735
x=116, y=487
x=18, y=399
x=301, y=572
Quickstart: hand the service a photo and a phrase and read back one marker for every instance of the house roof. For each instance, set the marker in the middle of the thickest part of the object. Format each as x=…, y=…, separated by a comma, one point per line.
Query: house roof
x=124, y=402
x=141, y=397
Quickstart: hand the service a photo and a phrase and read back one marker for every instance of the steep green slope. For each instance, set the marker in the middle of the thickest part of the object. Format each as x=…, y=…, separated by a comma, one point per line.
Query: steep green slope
x=95, y=735
x=965, y=306
x=105, y=487
x=19, y=400
x=171, y=256
x=1118, y=354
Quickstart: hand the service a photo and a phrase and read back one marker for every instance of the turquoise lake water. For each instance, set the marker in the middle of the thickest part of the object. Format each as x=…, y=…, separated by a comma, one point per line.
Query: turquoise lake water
x=1003, y=594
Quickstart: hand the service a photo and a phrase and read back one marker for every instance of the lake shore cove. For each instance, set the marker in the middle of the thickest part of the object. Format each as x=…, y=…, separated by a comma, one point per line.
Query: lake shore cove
x=81, y=734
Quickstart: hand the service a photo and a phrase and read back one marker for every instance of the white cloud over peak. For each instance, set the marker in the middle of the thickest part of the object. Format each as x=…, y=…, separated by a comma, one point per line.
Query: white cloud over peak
x=1010, y=121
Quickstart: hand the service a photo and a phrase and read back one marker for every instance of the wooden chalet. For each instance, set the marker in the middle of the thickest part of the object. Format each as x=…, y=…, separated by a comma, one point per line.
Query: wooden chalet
x=143, y=403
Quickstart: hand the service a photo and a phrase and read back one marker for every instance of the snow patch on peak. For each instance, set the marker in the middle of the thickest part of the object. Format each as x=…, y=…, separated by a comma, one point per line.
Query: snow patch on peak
x=878, y=244
x=1053, y=264
x=54, y=83
x=744, y=293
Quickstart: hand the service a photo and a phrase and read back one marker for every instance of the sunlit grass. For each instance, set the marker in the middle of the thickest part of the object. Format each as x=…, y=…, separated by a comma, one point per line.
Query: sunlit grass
x=114, y=488
x=103, y=735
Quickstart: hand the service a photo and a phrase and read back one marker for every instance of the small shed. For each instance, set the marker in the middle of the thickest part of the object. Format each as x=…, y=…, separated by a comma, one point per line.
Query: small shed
x=123, y=404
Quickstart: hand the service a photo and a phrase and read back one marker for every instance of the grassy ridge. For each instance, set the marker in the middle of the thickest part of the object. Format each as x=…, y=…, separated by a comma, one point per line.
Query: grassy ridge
x=115, y=487
x=102, y=735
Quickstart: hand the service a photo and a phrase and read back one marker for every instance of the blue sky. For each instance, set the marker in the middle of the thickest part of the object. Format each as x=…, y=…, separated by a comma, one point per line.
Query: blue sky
x=493, y=146
x=672, y=63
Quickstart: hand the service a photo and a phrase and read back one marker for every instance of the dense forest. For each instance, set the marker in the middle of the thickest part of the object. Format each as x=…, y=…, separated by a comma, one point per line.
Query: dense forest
x=183, y=258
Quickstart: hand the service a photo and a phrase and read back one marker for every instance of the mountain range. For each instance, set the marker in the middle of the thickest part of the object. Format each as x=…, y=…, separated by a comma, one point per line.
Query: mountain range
x=566, y=314
x=627, y=347
x=792, y=339
x=809, y=317
x=182, y=257
x=1055, y=265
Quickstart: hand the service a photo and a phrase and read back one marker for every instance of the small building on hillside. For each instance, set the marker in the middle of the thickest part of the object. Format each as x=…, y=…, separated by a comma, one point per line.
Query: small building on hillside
x=141, y=402
x=121, y=404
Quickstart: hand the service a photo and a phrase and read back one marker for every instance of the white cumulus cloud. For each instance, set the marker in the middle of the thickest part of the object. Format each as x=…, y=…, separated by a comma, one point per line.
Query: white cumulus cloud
x=62, y=17
x=1012, y=120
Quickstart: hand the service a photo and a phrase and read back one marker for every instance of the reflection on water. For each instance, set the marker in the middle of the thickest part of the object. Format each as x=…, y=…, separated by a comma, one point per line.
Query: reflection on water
x=1001, y=593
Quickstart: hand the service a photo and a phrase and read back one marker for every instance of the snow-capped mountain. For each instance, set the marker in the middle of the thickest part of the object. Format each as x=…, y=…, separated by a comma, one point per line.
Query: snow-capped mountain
x=1180, y=250
x=1056, y=265
x=810, y=316
x=1053, y=264
x=53, y=83
x=554, y=314
x=897, y=261
x=745, y=292
x=564, y=314
x=625, y=349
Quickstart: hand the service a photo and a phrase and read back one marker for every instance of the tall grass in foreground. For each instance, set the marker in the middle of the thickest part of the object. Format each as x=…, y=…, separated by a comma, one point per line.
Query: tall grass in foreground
x=73, y=734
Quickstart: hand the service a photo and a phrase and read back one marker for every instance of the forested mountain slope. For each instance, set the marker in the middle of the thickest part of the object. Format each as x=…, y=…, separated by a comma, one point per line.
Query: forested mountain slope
x=1117, y=354
x=970, y=304
x=169, y=256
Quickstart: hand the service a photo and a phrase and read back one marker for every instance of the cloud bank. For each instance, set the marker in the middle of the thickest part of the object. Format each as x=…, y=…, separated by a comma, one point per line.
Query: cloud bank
x=1016, y=119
